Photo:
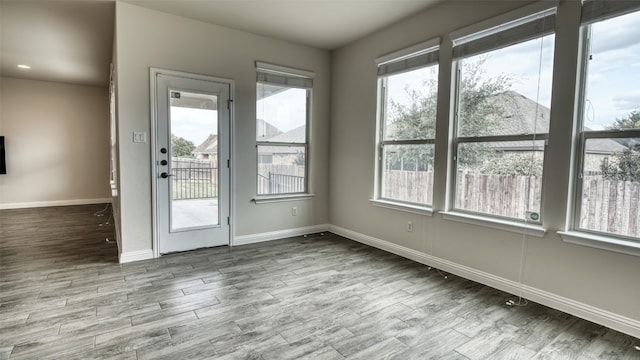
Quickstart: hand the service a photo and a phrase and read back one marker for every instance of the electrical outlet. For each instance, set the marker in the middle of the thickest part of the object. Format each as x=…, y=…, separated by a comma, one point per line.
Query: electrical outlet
x=294, y=211
x=410, y=226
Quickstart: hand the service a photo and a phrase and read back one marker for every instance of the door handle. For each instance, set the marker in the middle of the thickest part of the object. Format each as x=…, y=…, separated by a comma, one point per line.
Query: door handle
x=164, y=175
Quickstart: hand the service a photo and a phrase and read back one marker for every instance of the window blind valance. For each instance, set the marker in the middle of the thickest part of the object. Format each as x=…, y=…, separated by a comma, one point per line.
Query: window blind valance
x=517, y=31
x=597, y=10
x=411, y=58
x=281, y=75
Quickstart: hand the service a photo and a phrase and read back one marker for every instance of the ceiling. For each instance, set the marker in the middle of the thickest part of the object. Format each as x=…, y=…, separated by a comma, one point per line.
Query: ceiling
x=71, y=41
x=62, y=41
x=324, y=24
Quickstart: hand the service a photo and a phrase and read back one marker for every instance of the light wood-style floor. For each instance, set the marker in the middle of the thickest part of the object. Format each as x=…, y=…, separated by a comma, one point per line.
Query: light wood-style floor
x=319, y=297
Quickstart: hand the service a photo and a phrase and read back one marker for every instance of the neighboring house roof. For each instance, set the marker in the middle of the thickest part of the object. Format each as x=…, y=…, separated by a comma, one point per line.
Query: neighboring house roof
x=264, y=130
x=209, y=146
x=297, y=135
x=522, y=115
x=294, y=135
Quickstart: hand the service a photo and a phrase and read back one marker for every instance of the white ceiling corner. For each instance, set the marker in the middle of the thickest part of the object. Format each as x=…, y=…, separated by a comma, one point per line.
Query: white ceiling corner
x=63, y=41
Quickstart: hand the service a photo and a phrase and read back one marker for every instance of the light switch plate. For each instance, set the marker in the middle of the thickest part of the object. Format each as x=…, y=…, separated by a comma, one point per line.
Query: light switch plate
x=139, y=137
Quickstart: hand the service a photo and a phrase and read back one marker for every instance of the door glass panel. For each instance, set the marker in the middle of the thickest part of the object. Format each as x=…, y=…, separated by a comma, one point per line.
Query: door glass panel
x=194, y=160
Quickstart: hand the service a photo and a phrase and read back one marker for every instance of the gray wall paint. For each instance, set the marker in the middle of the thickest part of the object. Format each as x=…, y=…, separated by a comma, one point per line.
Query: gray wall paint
x=602, y=279
x=147, y=38
x=57, y=143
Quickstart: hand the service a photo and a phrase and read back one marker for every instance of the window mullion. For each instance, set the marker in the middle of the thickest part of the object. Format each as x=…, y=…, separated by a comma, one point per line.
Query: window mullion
x=502, y=138
x=611, y=134
x=409, y=142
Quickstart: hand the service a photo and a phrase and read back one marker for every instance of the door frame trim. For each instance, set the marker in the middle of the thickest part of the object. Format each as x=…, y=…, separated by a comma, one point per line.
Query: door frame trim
x=153, y=96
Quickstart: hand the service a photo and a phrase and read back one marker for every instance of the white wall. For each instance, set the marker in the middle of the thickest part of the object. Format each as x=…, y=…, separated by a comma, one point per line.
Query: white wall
x=147, y=38
x=602, y=282
x=56, y=138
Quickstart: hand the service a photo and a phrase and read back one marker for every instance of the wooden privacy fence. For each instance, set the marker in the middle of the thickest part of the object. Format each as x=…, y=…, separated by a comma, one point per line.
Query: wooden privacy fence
x=409, y=186
x=611, y=205
x=607, y=205
x=193, y=179
x=502, y=195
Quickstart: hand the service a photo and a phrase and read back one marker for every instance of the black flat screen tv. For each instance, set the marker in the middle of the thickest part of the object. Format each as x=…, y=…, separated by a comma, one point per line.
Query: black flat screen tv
x=3, y=162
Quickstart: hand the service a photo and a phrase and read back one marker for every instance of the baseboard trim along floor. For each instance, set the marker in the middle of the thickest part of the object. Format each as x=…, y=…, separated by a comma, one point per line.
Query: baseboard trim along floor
x=280, y=234
x=37, y=204
x=576, y=308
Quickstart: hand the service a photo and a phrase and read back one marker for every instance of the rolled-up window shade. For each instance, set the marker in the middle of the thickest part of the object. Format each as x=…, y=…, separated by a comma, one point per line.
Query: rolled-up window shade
x=527, y=28
x=280, y=75
x=411, y=58
x=597, y=10
x=409, y=63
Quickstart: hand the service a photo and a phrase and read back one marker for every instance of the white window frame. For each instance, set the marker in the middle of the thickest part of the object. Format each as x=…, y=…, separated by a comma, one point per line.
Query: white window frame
x=294, y=78
x=527, y=23
x=594, y=11
x=422, y=55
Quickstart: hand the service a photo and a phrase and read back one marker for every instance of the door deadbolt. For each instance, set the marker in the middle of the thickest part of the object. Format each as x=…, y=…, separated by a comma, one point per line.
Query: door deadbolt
x=163, y=162
x=163, y=150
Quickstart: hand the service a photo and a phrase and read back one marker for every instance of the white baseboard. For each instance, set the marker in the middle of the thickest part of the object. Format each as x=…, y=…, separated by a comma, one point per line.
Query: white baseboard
x=34, y=204
x=132, y=256
x=576, y=308
x=280, y=234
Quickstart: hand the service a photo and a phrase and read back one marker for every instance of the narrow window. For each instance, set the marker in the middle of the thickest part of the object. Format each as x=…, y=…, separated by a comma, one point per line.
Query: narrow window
x=502, y=107
x=608, y=178
x=282, y=123
x=408, y=97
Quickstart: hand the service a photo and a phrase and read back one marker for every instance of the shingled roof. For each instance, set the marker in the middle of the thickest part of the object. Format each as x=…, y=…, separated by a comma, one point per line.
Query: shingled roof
x=522, y=115
x=296, y=135
x=265, y=130
x=209, y=146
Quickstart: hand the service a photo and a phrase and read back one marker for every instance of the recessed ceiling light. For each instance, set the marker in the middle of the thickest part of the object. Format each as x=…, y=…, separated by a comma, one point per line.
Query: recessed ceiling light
x=22, y=66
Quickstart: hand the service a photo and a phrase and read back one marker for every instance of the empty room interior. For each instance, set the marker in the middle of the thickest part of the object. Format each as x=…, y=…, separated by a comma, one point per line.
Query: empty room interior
x=320, y=179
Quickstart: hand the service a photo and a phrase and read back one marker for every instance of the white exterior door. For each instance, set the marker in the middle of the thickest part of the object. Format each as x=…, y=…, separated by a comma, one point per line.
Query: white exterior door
x=191, y=161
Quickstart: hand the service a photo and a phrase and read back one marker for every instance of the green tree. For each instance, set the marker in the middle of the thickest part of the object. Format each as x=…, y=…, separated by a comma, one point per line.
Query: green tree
x=417, y=120
x=477, y=117
x=624, y=165
x=181, y=147
x=632, y=122
x=514, y=164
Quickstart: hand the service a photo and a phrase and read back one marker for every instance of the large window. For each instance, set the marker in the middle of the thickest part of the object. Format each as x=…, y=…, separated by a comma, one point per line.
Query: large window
x=608, y=178
x=408, y=88
x=282, y=119
x=503, y=97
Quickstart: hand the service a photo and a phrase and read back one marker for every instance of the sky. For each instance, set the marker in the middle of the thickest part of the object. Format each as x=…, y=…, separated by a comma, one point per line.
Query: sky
x=521, y=62
x=528, y=64
x=194, y=125
x=613, y=80
x=612, y=83
x=285, y=110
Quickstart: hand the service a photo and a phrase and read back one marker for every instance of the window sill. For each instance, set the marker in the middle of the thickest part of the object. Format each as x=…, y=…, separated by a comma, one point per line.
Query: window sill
x=415, y=209
x=512, y=226
x=601, y=242
x=265, y=199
